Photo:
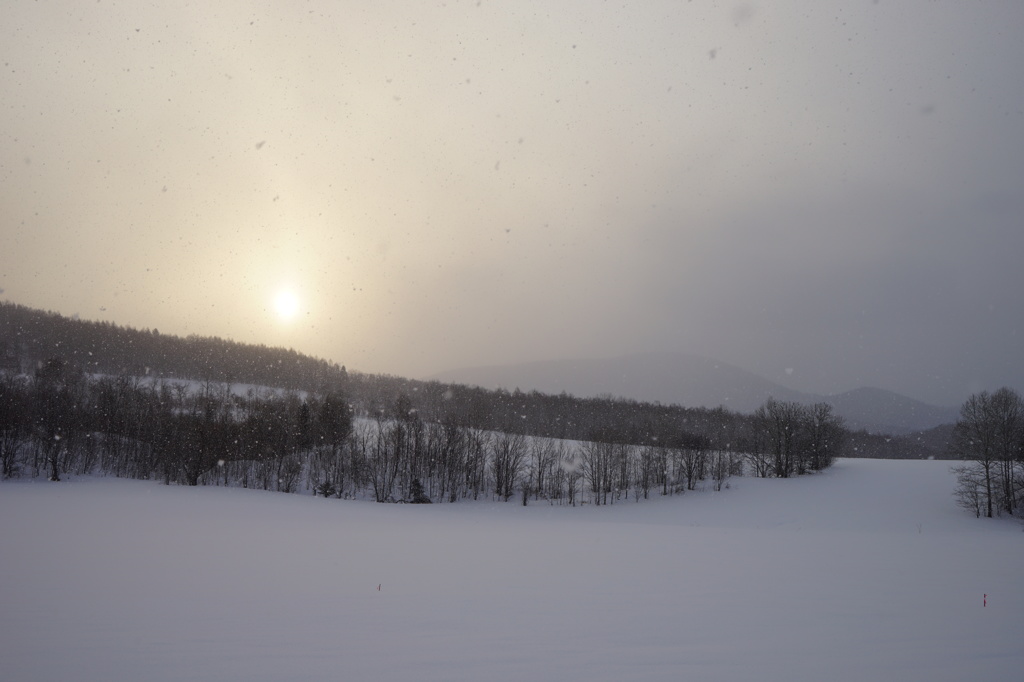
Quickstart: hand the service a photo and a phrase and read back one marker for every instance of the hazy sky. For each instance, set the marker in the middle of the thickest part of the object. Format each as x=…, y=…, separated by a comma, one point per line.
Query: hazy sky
x=831, y=188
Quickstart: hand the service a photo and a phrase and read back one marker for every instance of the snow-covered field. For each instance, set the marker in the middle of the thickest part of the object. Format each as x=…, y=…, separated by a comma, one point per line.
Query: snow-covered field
x=866, y=572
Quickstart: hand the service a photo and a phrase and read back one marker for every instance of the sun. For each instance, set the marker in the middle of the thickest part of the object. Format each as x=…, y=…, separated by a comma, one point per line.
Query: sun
x=286, y=305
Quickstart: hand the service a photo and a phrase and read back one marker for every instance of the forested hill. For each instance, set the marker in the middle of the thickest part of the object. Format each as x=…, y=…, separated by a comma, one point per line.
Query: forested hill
x=29, y=337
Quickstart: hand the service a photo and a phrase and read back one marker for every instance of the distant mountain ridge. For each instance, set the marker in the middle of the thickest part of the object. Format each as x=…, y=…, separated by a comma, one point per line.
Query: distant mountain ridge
x=696, y=381
x=882, y=411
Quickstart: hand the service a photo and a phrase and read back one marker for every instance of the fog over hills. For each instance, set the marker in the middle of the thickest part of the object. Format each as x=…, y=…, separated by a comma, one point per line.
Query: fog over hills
x=696, y=381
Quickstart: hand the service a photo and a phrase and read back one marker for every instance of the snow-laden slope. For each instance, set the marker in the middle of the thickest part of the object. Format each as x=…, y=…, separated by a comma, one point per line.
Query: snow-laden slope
x=867, y=572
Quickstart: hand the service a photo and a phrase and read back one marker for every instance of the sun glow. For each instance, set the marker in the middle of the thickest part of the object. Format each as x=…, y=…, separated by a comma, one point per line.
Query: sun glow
x=286, y=305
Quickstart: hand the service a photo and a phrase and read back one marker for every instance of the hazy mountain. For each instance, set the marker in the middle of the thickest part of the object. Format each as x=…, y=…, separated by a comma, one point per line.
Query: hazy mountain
x=886, y=412
x=693, y=381
x=687, y=380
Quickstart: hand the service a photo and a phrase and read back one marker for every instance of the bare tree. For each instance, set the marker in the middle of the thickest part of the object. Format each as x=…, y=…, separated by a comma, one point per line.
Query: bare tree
x=477, y=447
x=385, y=456
x=648, y=461
x=756, y=453
x=692, y=454
x=508, y=456
x=989, y=434
x=597, y=464
x=15, y=423
x=623, y=458
x=1008, y=418
x=824, y=436
x=449, y=441
x=543, y=456
x=721, y=464
x=974, y=439
x=779, y=423
x=572, y=469
x=970, y=488
x=59, y=391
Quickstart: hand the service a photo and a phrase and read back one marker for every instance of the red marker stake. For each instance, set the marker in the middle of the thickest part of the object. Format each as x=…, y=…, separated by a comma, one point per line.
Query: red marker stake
x=984, y=600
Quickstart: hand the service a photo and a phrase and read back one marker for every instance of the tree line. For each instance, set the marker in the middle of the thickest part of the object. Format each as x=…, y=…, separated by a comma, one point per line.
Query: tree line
x=60, y=420
x=29, y=338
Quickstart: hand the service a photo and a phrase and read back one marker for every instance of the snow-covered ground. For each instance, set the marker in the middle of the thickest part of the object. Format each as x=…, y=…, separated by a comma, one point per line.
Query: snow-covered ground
x=866, y=572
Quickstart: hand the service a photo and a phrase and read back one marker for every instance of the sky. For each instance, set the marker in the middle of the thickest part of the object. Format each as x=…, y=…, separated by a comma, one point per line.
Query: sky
x=829, y=194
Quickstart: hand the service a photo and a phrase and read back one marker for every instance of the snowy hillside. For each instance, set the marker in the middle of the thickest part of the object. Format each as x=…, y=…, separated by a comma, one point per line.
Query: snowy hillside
x=868, y=571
